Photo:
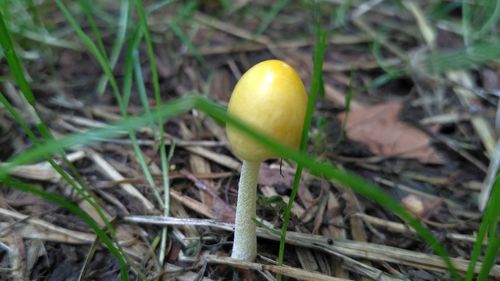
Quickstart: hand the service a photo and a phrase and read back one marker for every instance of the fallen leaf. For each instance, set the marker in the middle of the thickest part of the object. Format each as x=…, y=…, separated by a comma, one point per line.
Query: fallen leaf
x=380, y=129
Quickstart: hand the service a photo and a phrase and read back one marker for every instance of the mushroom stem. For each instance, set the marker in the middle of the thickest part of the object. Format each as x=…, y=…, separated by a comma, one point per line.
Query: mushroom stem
x=245, y=240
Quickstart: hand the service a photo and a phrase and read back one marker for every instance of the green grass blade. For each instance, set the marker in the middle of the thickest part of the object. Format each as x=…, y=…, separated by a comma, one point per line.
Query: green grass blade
x=161, y=136
x=86, y=194
x=135, y=145
x=268, y=19
x=341, y=14
x=119, y=42
x=183, y=15
x=490, y=258
x=478, y=19
x=316, y=88
x=19, y=185
x=87, y=11
x=101, y=58
x=17, y=69
x=156, y=87
x=14, y=63
x=466, y=22
x=48, y=148
x=477, y=54
x=34, y=12
x=131, y=64
x=50, y=40
x=377, y=54
x=186, y=41
x=348, y=99
x=13, y=113
x=158, y=5
x=104, y=62
x=132, y=46
x=491, y=22
x=149, y=44
x=139, y=81
x=489, y=221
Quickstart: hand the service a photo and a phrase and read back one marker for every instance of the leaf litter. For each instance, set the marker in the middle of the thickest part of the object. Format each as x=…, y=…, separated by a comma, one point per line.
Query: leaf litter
x=358, y=240
x=380, y=128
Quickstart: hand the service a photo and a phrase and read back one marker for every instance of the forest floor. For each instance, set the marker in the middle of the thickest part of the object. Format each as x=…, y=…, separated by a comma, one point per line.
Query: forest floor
x=405, y=106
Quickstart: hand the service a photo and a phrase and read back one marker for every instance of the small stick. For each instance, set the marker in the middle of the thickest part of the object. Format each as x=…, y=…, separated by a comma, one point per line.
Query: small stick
x=293, y=272
x=402, y=228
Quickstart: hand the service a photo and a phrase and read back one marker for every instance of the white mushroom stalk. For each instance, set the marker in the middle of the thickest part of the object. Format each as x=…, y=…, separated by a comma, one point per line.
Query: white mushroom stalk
x=271, y=98
x=245, y=240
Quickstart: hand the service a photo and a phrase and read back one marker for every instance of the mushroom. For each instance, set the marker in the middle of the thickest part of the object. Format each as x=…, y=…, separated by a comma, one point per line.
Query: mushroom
x=270, y=97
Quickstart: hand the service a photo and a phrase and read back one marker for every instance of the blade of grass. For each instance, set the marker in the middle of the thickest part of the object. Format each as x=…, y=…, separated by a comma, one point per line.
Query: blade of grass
x=104, y=62
x=16, y=68
x=37, y=31
x=152, y=61
x=17, y=118
x=348, y=99
x=158, y=5
x=101, y=58
x=160, y=135
x=118, y=44
x=87, y=11
x=491, y=22
x=186, y=41
x=132, y=45
x=490, y=258
x=84, y=193
x=166, y=196
x=476, y=54
x=489, y=221
x=50, y=40
x=466, y=22
x=341, y=13
x=479, y=18
x=14, y=63
x=316, y=88
x=377, y=54
x=390, y=72
x=49, y=147
x=19, y=185
x=182, y=16
x=268, y=19
x=34, y=12
x=141, y=89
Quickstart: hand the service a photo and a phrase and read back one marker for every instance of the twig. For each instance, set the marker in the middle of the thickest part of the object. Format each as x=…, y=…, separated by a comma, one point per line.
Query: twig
x=236, y=31
x=402, y=228
x=282, y=270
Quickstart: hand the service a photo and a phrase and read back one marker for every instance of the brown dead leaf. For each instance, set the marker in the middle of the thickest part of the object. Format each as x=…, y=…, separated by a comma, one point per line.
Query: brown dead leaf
x=380, y=129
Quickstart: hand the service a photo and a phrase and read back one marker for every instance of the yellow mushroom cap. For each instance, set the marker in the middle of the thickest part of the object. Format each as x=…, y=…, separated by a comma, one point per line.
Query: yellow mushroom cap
x=271, y=98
